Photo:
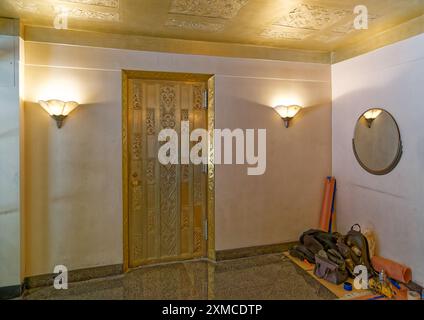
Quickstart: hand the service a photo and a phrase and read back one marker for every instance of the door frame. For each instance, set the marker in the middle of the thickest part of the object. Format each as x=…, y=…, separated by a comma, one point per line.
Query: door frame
x=209, y=80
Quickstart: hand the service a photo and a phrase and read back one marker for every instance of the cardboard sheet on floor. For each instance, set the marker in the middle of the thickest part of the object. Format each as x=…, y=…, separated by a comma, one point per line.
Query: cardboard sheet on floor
x=305, y=266
x=337, y=290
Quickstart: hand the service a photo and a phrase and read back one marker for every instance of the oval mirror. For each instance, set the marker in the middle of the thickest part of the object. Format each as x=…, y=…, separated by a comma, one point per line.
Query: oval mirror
x=377, y=143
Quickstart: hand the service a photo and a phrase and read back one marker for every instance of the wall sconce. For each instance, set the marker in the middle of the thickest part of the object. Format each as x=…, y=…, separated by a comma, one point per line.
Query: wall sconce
x=371, y=115
x=58, y=109
x=287, y=113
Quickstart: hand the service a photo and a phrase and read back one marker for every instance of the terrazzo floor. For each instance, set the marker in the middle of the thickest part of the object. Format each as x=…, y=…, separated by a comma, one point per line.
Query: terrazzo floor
x=268, y=277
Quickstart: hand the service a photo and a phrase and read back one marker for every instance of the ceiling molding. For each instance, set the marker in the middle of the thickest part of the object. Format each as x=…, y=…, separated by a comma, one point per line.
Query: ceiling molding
x=398, y=33
x=143, y=43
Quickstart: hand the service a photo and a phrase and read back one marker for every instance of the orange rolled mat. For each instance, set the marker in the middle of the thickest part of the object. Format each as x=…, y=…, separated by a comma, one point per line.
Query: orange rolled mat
x=394, y=270
x=328, y=205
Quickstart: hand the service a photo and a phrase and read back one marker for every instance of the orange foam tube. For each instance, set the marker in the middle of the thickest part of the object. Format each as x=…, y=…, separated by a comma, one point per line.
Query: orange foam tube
x=394, y=270
x=324, y=209
x=327, y=204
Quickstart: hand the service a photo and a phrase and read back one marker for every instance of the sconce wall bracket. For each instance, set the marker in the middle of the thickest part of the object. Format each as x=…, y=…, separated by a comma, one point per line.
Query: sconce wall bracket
x=59, y=120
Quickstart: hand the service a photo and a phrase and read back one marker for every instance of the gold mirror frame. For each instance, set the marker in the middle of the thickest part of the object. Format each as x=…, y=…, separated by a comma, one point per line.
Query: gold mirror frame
x=395, y=161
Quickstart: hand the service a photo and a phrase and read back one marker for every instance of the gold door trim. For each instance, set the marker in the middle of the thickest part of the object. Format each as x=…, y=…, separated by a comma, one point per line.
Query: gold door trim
x=210, y=201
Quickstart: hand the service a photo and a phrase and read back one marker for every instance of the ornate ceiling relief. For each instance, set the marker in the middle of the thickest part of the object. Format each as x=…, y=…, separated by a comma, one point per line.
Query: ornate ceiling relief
x=225, y=9
x=193, y=25
x=329, y=38
x=306, y=20
x=278, y=32
x=345, y=27
x=340, y=31
x=349, y=26
x=99, y=3
x=311, y=17
x=92, y=14
x=23, y=5
x=76, y=8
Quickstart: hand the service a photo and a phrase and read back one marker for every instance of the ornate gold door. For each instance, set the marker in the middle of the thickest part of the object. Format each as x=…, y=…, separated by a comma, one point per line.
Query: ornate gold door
x=167, y=204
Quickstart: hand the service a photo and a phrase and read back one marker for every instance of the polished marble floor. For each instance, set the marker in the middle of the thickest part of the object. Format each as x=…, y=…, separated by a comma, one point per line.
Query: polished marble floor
x=262, y=278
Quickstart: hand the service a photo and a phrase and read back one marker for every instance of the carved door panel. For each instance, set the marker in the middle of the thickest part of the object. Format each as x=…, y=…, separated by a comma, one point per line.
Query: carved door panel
x=167, y=203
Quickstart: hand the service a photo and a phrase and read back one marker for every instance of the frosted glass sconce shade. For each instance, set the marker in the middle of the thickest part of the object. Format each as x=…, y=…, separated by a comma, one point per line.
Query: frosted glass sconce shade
x=287, y=113
x=58, y=109
x=371, y=115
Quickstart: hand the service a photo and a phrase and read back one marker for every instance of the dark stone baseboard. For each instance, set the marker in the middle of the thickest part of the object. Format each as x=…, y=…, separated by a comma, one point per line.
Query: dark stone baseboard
x=10, y=292
x=46, y=280
x=253, y=251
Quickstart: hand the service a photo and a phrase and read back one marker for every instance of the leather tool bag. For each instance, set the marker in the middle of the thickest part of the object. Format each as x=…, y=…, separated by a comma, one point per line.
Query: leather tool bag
x=337, y=258
x=328, y=240
x=302, y=253
x=312, y=244
x=328, y=270
x=359, y=248
x=351, y=260
x=311, y=232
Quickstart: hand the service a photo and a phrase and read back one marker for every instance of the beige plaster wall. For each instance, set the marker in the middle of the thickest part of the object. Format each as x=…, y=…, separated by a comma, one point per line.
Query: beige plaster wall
x=74, y=189
x=392, y=205
x=279, y=205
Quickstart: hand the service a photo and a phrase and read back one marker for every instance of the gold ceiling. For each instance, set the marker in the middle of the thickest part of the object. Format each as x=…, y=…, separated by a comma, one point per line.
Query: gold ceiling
x=320, y=25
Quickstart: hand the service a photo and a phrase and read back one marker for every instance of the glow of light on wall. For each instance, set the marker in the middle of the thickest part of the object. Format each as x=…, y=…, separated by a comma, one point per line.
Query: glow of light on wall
x=286, y=101
x=60, y=89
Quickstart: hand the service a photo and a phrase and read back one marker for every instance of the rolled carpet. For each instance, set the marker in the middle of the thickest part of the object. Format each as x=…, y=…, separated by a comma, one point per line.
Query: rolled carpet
x=392, y=269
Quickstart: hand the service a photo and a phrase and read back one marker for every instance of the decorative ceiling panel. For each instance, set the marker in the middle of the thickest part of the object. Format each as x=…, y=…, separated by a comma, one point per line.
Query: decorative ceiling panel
x=92, y=14
x=329, y=38
x=311, y=17
x=225, y=9
x=194, y=25
x=315, y=25
x=278, y=32
x=349, y=26
x=345, y=27
x=23, y=5
x=100, y=3
x=78, y=8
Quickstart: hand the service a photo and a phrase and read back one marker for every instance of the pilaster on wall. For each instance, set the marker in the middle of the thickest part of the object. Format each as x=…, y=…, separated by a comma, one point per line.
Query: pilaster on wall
x=9, y=27
x=10, y=172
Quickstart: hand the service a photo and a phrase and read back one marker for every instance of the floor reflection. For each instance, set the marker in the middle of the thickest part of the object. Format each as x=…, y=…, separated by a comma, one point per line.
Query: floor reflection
x=261, y=277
